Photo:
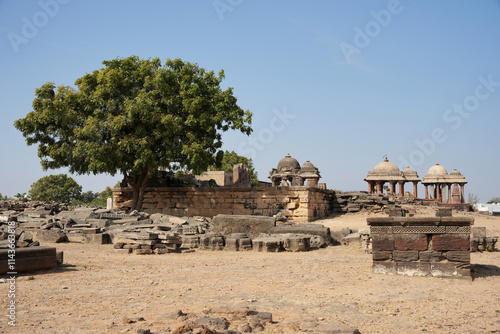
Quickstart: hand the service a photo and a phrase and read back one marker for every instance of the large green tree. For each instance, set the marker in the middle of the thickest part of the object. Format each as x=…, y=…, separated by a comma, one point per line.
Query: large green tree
x=59, y=188
x=230, y=159
x=132, y=117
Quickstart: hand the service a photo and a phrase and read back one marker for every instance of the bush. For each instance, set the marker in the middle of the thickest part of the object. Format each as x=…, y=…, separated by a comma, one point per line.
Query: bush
x=59, y=188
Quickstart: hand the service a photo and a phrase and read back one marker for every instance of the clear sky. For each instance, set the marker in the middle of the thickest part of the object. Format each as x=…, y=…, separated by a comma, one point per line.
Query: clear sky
x=340, y=83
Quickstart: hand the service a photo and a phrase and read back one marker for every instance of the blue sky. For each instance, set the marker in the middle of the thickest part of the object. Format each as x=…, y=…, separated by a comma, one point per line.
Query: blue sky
x=339, y=83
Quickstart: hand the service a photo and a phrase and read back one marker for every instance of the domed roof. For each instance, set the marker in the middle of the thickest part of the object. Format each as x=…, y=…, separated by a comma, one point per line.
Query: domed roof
x=455, y=172
x=408, y=170
x=308, y=167
x=386, y=166
x=288, y=164
x=437, y=169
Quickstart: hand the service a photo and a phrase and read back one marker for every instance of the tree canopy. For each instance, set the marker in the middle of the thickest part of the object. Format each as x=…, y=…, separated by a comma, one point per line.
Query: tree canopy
x=132, y=117
x=229, y=159
x=59, y=188
x=494, y=200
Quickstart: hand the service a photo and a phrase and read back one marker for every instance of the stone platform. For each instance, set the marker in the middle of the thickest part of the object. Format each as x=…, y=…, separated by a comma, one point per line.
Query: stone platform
x=421, y=246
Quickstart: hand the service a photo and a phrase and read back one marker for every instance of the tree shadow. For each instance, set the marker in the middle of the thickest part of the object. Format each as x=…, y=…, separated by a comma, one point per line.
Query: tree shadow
x=484, y=270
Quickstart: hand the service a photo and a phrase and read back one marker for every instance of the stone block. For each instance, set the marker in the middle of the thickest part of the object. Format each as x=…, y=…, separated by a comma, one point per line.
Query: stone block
x=190, y=241
x=381, y=267
x=250, y=225
x=311, y=229
x=458, y=256
x=211, y=241
x=50, y=236
x=317, y=241
x=143, y=251
x=132, y=246
x=382, y=242
x=98, y=239
x=414, y=268
x=431, y=256
x=238, y=242
x=335, y=329
x=412, y=241
x=123, y=250
x=268, y=244
x=295, y=242
x=382, y=255
x=447, y=242
x=405, y=256
x=29, y=259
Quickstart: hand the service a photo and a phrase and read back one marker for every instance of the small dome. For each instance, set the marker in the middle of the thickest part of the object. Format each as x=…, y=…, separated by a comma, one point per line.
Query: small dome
x=408, y=170
x=455, y=172
x=288, y=164
x=308, y=167
x=437, y=169
x=386, y=166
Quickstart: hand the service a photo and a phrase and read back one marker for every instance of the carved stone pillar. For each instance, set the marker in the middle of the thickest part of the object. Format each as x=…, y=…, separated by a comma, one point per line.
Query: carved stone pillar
x=401, y=189
x=415, y=189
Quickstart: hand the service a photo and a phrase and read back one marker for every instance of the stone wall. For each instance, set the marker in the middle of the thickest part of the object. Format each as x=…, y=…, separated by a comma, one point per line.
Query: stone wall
x=297, y=203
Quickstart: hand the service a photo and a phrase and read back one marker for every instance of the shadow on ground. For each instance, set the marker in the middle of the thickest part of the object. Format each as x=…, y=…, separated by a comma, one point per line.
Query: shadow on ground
x=484, y=270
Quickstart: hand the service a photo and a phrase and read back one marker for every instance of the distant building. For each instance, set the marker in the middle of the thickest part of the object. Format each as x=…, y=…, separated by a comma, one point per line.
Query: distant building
x=240, y=177
x=493, y=209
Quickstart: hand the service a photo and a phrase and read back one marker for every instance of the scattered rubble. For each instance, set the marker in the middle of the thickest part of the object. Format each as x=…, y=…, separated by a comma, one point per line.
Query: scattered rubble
x=237, y=321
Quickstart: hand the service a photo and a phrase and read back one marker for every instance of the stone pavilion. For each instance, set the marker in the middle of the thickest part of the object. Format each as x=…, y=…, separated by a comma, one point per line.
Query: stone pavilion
x=289, y=173
x=387, y=172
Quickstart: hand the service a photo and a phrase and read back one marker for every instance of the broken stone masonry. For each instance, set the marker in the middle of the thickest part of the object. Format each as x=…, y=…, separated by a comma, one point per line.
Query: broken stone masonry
x=422, y=246
x=141, y=233
x=223, y=320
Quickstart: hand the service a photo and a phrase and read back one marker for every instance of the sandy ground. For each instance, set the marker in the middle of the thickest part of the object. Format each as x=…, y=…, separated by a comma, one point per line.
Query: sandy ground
x=97, y=288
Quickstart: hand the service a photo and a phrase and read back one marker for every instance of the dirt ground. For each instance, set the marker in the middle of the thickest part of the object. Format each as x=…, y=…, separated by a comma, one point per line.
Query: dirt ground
x=97, y=288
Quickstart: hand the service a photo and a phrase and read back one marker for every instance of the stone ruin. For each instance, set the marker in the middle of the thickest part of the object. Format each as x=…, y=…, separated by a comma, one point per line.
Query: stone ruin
x=422, y=246
x=142, y=233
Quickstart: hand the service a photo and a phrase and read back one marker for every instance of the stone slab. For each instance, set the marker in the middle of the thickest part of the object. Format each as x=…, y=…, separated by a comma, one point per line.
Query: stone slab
x=311, y=229
x=250, y=225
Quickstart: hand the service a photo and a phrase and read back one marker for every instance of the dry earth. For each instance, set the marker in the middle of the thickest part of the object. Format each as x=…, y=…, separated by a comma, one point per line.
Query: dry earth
x=97, y=288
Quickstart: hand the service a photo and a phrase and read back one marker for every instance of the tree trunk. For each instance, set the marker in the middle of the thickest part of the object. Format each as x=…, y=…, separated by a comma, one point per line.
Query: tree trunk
x=138, y=183
x=142, y=188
